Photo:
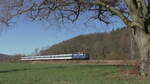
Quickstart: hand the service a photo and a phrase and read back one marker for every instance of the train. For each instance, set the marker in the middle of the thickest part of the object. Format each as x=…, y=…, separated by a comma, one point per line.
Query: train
x=80, y=56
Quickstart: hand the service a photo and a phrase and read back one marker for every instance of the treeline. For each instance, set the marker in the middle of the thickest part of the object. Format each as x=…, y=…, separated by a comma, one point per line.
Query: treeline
x=112, y=45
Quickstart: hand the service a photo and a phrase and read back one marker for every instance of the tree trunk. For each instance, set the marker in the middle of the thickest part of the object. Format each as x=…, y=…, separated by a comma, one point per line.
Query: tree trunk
x=142, y=40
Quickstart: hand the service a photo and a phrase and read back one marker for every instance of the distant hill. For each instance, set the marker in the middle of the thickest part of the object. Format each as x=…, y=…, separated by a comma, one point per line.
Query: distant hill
x=1, y=55
x=112, y=45
x=9, y=58
x=4, y=57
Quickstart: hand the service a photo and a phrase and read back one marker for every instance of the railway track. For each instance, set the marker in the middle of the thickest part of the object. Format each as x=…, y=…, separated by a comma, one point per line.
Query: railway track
x=100, y=62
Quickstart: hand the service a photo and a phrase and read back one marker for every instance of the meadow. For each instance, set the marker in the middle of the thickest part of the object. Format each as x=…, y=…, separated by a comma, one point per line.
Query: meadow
x=24, y=73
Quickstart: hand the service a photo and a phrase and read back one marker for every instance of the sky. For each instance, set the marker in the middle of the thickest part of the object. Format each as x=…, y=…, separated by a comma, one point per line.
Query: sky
x=24, y=36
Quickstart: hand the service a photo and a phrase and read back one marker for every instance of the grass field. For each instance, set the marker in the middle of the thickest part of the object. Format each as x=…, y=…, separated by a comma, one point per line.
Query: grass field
x=17, y=73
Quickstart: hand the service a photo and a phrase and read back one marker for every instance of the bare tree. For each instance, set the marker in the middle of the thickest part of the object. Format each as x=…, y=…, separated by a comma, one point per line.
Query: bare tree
x=134, y=13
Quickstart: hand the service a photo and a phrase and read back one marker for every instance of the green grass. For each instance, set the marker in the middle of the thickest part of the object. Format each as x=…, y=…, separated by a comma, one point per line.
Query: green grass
x=13, y=73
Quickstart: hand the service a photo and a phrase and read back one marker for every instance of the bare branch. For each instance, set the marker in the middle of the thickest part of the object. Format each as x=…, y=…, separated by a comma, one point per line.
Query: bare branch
x=70, y=10
x=114, y=11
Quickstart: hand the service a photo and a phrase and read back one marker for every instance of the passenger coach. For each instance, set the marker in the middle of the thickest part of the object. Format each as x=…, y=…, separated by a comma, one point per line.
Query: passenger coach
x=80, y=56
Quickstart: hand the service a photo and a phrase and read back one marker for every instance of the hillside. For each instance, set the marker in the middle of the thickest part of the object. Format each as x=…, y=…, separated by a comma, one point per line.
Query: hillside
x=8, y=58
x=113, y=45
x=4, y=57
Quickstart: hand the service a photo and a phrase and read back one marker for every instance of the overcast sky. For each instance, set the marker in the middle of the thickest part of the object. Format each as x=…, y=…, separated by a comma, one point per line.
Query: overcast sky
x=24, y=36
